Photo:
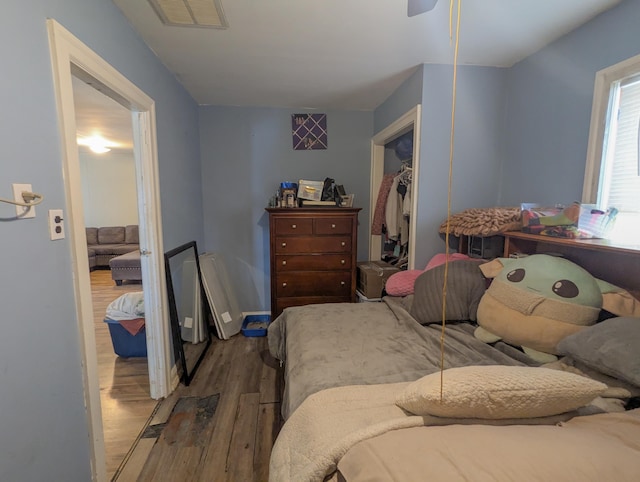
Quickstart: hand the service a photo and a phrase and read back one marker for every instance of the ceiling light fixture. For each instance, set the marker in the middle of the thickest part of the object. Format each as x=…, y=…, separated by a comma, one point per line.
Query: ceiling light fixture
x=96, y=143
x=190, y=13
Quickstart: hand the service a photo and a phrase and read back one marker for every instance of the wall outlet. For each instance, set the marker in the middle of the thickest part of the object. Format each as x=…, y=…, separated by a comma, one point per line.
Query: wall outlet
x=56, y=224
x=23, y=212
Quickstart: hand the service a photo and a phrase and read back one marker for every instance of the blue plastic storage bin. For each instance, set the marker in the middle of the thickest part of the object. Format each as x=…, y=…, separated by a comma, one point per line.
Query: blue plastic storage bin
x=247, y=330
x=125, y=344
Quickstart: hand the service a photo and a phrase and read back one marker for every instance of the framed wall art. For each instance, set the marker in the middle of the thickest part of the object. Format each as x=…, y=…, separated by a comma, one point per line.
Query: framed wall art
x=309, y=131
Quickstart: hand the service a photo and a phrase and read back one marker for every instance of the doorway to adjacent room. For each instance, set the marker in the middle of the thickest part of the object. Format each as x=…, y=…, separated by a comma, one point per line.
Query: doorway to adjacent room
x=70, y=57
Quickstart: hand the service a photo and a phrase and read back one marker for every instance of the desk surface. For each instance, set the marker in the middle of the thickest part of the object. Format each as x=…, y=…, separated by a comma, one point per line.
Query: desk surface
x=594, y=244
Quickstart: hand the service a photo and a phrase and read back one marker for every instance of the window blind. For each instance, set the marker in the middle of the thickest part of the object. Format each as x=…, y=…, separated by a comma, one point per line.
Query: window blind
x=622, y=165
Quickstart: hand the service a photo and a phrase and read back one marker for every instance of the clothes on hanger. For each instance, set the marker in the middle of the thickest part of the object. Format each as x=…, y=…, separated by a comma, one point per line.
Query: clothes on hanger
x=381, y=203
x=398, y=207
x=391, y=215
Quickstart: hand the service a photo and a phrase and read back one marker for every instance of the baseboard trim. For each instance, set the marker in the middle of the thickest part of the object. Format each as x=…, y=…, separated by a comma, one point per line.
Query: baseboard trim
x=175, y=381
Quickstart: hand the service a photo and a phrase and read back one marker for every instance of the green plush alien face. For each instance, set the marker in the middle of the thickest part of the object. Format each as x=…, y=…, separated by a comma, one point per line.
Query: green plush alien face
x=553, y=278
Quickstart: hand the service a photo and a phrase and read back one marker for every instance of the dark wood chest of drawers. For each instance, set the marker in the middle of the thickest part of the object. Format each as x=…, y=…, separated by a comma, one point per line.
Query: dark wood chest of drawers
x=313, y=256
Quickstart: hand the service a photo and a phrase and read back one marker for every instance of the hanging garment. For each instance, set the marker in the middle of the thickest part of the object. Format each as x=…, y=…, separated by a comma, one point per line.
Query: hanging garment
x=381, y=203
x=406, y=203
x=393, y=209
x=399, y=207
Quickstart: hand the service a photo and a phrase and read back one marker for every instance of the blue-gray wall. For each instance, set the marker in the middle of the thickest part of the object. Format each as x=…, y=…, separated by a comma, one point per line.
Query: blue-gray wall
x=477, y=148
x=479, y=117
x=549, y=107
x=43, y=425
x=403, y=99
x=246, y=153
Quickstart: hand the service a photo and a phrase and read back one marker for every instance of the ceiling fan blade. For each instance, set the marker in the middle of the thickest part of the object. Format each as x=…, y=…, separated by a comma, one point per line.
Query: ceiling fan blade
x=416, y=7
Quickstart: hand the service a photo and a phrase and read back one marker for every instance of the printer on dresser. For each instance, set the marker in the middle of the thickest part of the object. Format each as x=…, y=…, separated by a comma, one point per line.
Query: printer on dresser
x=313, y=256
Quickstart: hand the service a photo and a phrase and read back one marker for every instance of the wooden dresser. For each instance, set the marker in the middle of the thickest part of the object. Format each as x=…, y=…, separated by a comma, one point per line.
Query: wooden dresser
x=313, y=256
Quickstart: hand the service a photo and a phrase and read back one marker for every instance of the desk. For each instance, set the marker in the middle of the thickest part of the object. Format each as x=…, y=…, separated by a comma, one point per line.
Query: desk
x=616, y=263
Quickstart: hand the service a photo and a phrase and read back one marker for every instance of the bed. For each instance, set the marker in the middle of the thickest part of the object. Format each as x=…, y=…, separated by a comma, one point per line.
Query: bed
x=345, y=366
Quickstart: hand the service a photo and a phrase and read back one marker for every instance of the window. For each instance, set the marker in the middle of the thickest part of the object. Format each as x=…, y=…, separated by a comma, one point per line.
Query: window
x=612, y=176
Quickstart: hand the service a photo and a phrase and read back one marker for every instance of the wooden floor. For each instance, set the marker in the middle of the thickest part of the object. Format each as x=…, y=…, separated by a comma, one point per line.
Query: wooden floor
x=233, y=445
x=124, y=382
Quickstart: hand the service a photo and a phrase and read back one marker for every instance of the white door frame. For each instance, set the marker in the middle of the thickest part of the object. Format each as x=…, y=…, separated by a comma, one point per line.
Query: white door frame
x=67, y=53
x=409, y=120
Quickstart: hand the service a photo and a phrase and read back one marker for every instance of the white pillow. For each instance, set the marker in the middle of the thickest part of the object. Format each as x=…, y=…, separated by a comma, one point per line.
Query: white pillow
x=499, y=392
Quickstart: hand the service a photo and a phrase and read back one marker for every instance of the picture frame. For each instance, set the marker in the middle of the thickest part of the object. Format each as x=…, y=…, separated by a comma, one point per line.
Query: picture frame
x=309, y=131
x=190, y=314
x=347, y=201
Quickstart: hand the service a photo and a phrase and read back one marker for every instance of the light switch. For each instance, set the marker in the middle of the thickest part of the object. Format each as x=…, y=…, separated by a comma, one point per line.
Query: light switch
x=56, y=224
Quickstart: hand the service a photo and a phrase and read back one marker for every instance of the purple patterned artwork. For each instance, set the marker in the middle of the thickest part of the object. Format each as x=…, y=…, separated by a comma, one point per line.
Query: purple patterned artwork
x=309, y=131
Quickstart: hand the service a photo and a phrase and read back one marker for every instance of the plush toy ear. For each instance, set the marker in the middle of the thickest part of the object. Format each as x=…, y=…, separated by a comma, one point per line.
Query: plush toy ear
x=493, y=268
x=618, y=301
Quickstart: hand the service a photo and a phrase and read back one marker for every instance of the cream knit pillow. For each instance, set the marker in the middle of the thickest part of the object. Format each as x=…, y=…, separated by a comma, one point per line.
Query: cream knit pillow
x=499, y=392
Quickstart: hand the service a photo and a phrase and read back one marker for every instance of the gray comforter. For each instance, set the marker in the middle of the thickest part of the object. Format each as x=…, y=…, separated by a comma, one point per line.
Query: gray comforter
x=340, y=344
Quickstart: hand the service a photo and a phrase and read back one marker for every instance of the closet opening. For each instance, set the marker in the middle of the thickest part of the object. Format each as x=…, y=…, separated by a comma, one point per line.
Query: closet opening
x=394, y=191
x=393, y=203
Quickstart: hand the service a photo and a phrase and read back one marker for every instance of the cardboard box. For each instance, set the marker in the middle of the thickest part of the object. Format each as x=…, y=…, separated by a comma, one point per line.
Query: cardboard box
x=372, y=277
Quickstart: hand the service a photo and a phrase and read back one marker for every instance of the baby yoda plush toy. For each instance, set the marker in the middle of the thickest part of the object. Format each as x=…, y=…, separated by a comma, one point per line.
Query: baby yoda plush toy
x=536, y=301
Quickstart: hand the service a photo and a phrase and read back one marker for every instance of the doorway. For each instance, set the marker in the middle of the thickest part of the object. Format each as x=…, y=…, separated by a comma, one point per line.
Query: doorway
x=407, y=122
x=110, y=200
x=71, y=57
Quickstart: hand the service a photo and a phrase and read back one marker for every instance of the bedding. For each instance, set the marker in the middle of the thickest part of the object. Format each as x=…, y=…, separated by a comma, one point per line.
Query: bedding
x=465, y=287
x=338, y=344
x=498, y=392
x=330, y=422
x=610, y=346
x=347, y=364
x=587, y=449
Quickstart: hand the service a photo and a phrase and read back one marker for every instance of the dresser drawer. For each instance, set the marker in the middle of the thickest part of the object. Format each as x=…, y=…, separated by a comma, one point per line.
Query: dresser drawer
x=332, y=226
x=312, y=262
x=311, y=283
x=312, y=244
x=294, y=226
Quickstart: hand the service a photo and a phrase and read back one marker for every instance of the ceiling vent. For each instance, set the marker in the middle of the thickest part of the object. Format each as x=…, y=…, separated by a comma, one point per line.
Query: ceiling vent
x=190, y=13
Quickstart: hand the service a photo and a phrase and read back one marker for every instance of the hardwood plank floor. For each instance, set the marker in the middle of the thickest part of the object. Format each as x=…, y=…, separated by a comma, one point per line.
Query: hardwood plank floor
x=235, y=444
x=124, y=382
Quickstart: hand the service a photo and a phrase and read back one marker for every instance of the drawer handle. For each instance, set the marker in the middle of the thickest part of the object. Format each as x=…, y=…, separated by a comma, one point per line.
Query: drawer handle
x=293, y=226
x=284, y=263
x=341, y=283
x=333, y=226
x=284, y=285
x=342, y=261
x=284, y=245
x=343, y=244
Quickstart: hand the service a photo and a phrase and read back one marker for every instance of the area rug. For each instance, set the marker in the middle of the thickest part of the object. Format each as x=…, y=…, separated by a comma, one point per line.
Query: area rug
x=189, y=419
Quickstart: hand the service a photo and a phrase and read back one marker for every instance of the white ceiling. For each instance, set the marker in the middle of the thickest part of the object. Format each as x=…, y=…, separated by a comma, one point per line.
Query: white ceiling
x=344, y=54
x=97, y=114
x=329, y=54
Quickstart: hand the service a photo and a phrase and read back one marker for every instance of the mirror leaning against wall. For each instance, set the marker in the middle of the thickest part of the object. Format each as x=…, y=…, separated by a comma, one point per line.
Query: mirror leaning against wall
x=189, y=311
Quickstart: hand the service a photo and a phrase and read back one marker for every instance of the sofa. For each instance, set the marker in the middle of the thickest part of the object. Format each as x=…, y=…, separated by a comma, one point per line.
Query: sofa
x=107, y=242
